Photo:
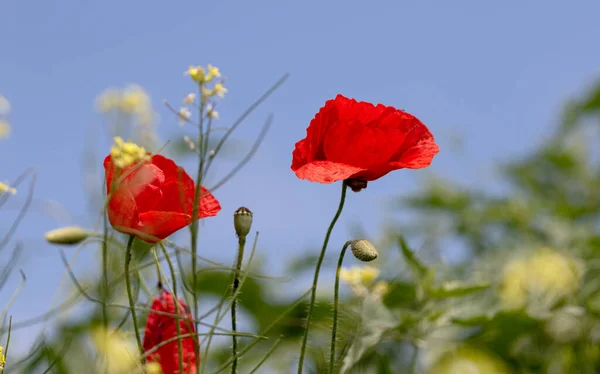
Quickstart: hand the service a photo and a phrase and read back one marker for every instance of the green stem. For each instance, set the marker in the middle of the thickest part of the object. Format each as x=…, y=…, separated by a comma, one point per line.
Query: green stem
x=7, y=342
x=177, y=307
x=236, y=284
x=413, y=360
x=105, y=271
x=130, y=294
x=194, y=226
x=336, y=295
x=313, y=294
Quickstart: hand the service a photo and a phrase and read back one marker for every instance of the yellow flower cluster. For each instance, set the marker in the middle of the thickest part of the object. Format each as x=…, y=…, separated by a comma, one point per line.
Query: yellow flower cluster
x=4, y=111
x=465, y=360
x=361, y=279
x=119, y=353
x=204, y=76
x=124, y=154
x=132, y=100
x=5, y=188
x=545, y=277
x=2, y=358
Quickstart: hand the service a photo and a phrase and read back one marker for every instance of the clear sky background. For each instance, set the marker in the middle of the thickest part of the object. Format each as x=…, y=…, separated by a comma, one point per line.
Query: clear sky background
x=494, y=73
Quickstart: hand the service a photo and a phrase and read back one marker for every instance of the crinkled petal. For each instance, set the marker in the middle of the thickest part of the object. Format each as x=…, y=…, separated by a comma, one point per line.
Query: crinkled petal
x=326, y=171
x=158, y=225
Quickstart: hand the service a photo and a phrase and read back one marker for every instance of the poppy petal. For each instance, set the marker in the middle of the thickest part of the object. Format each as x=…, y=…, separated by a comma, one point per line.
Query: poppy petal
x=326, y=171
x=159, y=225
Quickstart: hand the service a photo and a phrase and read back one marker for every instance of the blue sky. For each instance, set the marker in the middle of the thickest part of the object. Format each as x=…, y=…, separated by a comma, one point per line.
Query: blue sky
x=494, y=73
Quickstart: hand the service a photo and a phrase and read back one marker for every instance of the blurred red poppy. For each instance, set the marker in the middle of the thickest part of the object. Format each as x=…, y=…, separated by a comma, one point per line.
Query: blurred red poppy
x=153, y=199
x=362, y=142
x=161, y=327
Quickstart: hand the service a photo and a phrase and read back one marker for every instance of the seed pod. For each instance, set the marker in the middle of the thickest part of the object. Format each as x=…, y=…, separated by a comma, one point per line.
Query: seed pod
x=363, y=250
x=242, y=221
x=67, y=235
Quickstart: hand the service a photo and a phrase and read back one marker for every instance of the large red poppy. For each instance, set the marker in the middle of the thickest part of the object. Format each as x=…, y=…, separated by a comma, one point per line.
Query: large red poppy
x=161, y=327
x=360, y=141
x=153, y=199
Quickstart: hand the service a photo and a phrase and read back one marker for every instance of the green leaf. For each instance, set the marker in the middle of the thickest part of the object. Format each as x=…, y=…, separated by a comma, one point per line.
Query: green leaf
x=417, y=267
x=456, y=289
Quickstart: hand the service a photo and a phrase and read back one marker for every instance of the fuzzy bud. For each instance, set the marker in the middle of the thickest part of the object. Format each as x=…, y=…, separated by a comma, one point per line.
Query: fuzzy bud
x=363, y=250
x=67, y=235
x=242, y=221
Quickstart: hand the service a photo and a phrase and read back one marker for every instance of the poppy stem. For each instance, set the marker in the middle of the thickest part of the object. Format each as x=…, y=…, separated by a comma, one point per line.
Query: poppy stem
x=130, y=294
x=313, y=294
x=177, y=306
x=336, y=294
x=236, y=284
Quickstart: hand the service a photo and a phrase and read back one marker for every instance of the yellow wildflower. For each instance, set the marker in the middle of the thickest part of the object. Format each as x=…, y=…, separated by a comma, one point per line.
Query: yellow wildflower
x=196, y=73
x=127, y=153
x=108, y=100
x=134, y=100
x=189, y=98
x=545, y=276
x=219, y=90
x=350, y=275
x=4, y=129
x=381, y=288
x=120, y=353
x=184, y=115
x=2, y=358
x=152, y=368
x=465, y=360
x=213, y=71
x=368, y=274
x=5, y=188
x=211, y=112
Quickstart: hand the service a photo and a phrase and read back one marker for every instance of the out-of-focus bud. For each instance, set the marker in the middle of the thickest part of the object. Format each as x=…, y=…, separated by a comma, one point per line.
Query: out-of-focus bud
x=242, y=221
x=67, y=235
x=363, y=250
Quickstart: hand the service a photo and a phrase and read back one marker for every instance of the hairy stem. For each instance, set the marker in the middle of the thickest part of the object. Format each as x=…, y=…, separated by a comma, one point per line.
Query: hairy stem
x=177, y=307
x=313, y=294
x=336, y=296
x=130, y=294
x=236, y=284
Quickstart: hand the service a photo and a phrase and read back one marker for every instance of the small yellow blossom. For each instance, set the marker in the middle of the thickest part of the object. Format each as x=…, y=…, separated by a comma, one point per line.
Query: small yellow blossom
x=189, y=98
x=127, y=153
x=545, y=276
x=465, y=360
x=120, y=353
x=4, y=129
x=152, y=368
x=350, y=275
x=219, y=90
x=368, y=274
x=213, y=71
x=134, y=100
x=211, y=112
x=381, y=288
x=4, y=106
x=2, y=358
x=184, y=115
x=196, y=73
x=190, y=143
x=5, y=188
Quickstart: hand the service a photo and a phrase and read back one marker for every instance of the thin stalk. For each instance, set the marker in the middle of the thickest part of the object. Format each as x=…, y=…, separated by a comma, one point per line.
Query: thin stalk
x=267, y=355
x=236, y=283
x=313, y=294
x=177, y=307
x=105, y=270
x=336, y=295
x=130, y=295
x=7, y=341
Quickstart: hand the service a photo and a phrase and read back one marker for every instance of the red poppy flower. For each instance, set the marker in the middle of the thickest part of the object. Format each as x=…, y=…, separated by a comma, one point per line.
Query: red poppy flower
x=153, y=199
x=161, y=327
x=360, y=141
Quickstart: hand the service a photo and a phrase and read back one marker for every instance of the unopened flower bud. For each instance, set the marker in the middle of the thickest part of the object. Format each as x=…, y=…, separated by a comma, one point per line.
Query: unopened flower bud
x=67, y=235
x=363, y=250
x=242, y=221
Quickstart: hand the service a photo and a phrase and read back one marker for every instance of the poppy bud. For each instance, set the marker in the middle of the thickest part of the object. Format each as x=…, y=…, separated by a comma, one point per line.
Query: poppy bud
x=67, y=235
x=242, y=221
x=363, y=250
